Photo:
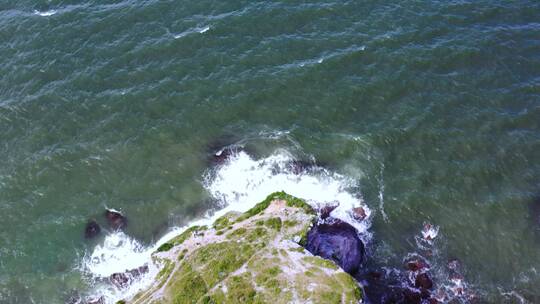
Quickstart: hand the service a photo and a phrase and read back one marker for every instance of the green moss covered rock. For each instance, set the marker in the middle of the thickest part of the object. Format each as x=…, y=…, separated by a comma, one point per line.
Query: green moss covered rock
x=254, y=257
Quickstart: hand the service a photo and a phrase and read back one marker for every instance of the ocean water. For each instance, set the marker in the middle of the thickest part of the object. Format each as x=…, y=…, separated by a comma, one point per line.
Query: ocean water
x=421, y=111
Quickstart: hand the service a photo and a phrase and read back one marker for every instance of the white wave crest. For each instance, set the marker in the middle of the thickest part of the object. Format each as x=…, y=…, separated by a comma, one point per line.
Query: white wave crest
x=45, y=13
x=118, y=253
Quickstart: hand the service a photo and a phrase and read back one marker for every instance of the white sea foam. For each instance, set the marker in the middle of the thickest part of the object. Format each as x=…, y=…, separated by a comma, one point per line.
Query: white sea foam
x=204, y=29
x=200, y=30
x=45, y=13
x=238, y=185
x=242, y=181
x=118, y=253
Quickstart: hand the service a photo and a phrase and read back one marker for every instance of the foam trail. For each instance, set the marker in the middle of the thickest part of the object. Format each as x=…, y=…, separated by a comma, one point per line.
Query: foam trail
x=200, y=30
x=45, y=13
x=238, y=185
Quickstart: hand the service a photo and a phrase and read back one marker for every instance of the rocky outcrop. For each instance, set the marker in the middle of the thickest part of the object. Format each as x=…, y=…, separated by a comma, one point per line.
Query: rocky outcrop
x=338, y=241
x=255, y=257
x=115, y=219
x=123, y=279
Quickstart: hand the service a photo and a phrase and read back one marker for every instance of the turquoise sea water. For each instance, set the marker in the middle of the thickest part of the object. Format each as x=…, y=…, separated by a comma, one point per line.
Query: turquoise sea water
x=433, y=107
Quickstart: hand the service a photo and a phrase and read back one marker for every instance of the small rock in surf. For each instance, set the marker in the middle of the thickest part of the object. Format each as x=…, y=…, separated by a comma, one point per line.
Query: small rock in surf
x=124, y=279
x=417, y=265
x=115, y=219
x=221, y=156
x=423, y=281
x=358, y=213
x=324, y=211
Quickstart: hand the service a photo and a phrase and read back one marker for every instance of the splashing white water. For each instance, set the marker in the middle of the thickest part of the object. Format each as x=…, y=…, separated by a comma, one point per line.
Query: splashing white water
x=238, y=185
x=243, y=181
x=118, y=253
x=45, y=13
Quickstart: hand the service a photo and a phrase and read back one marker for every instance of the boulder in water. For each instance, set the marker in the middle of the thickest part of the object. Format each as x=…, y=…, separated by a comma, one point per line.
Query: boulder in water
x=324, y=211
x=359, y=213
x=100, y=300
x=423, y=281
x=412, y=296
x=116, y=219
x=92, y=229
x=338, y=241
x=417, y=265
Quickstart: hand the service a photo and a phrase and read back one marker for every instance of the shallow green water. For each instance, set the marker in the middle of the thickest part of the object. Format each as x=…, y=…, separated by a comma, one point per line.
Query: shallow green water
x=434, y=105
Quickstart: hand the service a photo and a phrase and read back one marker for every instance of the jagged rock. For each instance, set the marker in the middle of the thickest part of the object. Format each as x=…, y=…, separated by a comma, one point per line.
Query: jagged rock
x=324, y=211
x=423, y=281
x=115, y=219
x=92, y=229
x=337, y=241
x=417, y=265
x=124, y=279
x=359, y=213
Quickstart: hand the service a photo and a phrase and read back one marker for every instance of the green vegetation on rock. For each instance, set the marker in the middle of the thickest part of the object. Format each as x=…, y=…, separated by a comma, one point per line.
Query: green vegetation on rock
x=249, y=258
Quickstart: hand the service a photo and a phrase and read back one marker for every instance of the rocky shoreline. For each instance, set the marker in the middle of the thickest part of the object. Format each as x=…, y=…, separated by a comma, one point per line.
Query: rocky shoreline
x=280, y=251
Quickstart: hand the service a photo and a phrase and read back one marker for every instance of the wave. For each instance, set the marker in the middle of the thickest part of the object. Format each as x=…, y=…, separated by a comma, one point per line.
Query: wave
x=237, y=185
x=45, y=13
x=200, y=30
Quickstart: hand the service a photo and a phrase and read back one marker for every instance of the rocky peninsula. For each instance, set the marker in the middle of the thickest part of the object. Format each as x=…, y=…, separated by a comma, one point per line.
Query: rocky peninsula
x=259, y=256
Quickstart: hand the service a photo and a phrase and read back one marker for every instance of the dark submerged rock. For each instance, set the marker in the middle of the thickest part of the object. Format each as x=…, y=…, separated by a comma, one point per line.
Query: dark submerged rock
x=423, y=281
x=417, y=265
x=222, y=155
x=412, y=296
x=115, y=219
x=92, y=229
x=338, y=241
